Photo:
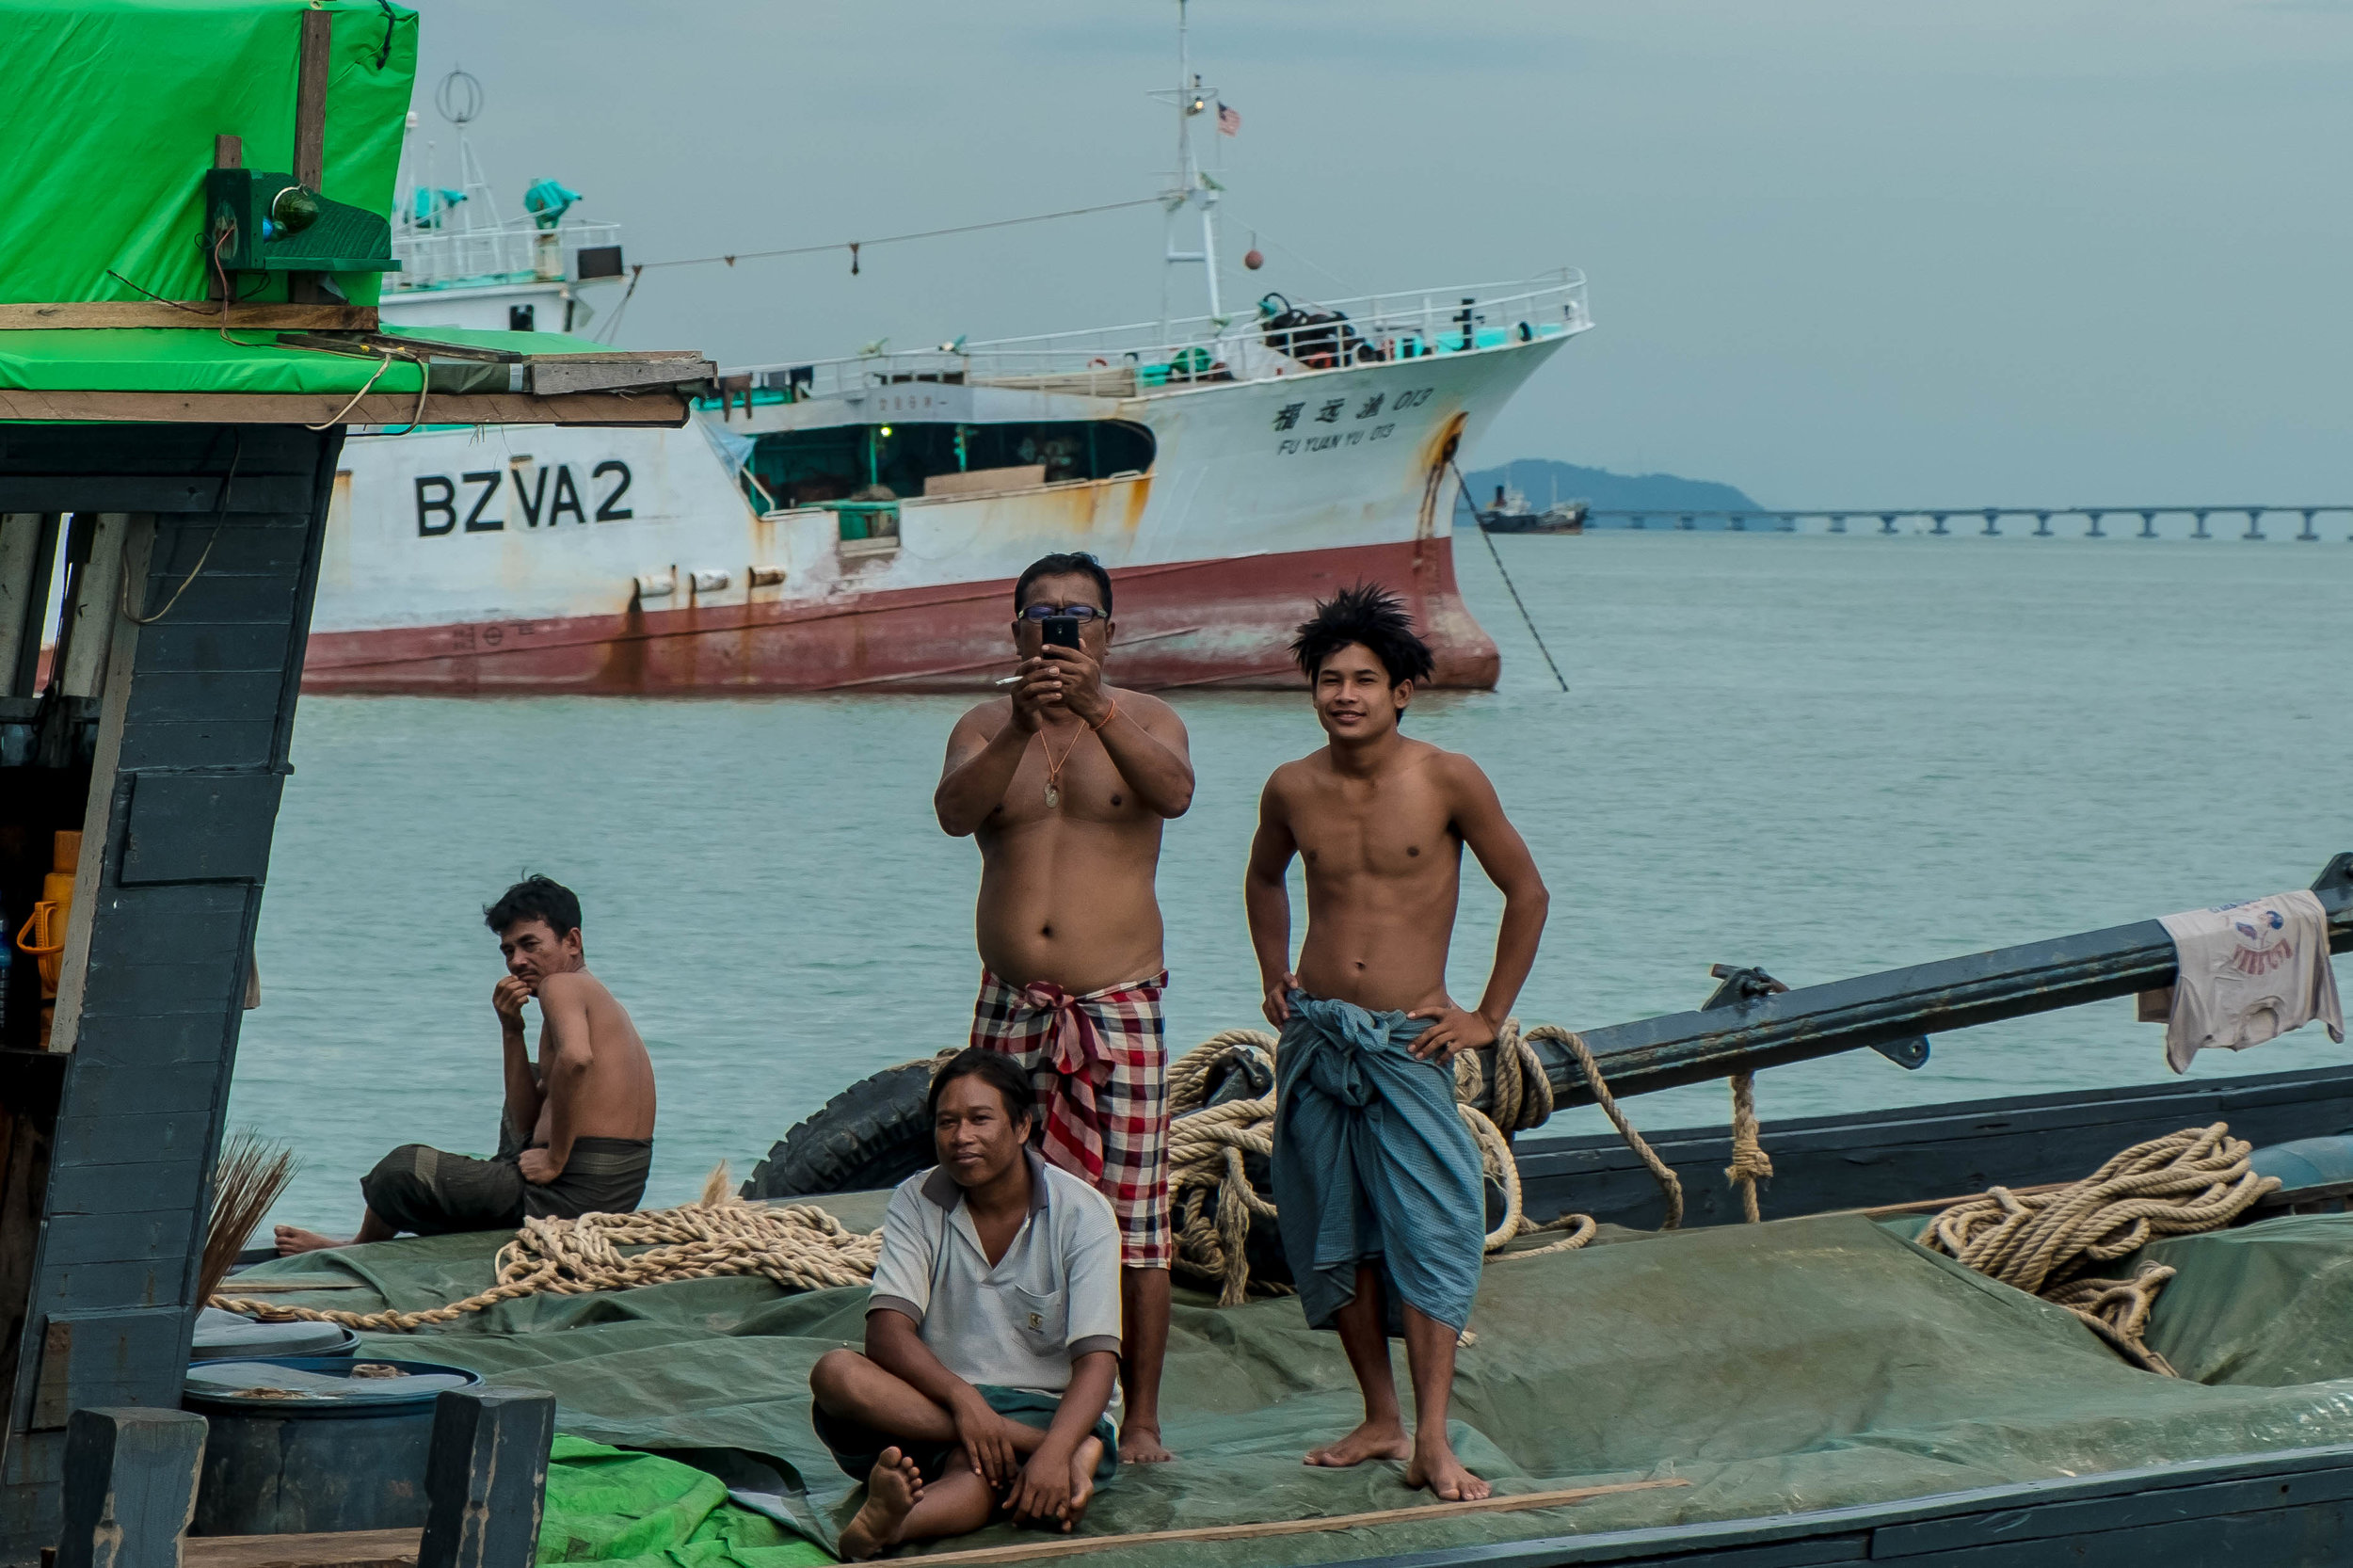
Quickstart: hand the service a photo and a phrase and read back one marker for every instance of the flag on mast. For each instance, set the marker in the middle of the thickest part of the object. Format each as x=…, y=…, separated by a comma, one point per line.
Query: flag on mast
x=1228, y=122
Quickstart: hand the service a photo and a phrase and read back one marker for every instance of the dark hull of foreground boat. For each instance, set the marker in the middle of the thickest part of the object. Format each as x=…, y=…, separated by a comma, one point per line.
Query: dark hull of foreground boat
x=2288, y=1510
x=1912, y=1153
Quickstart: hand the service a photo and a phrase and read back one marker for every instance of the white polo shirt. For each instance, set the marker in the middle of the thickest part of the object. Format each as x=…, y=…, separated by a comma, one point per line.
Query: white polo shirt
x=1052, y=1298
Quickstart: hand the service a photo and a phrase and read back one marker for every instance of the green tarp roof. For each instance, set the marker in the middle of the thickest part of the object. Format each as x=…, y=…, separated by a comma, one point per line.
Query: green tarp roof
x=112, y=108
x=172, y=360
x=1798, y=1365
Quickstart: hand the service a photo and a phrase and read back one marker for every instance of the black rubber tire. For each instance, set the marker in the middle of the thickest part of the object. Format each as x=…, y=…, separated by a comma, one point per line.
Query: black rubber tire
x=871, y=1135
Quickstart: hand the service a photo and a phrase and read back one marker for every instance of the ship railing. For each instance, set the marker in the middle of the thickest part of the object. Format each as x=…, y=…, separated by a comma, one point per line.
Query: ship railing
x=1123, y=362
x=444, y=258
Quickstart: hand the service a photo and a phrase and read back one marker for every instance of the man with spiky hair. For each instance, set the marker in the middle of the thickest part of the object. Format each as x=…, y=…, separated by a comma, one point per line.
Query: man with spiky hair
x=1376, y=1179
x=577, y=1132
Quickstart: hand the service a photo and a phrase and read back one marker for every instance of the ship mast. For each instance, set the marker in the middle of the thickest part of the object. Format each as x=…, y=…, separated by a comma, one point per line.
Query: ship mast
x=1191, y=190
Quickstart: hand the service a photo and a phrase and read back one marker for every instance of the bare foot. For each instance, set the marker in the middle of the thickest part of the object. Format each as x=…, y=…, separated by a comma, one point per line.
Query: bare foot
x=892, y=1489
x=294, y=1238
x=1373, y=1440
x=1434, y=1466
x=1141, y=1445
x=1082, y=1464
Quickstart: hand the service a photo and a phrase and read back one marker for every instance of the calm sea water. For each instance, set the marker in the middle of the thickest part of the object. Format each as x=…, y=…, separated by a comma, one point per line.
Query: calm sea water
x=1822, y=754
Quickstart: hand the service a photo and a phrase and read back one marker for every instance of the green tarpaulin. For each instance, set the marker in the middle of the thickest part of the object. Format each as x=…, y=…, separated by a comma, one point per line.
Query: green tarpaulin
x=140, y=359
x=627, y=1510
x=113, y=106
x=1799, y=1364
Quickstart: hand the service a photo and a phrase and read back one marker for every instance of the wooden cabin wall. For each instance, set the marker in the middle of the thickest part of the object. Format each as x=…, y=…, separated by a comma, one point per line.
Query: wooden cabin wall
x=108, y=1135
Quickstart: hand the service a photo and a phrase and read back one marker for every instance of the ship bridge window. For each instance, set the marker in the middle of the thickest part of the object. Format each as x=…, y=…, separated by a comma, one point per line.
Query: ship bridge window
x=852, y=462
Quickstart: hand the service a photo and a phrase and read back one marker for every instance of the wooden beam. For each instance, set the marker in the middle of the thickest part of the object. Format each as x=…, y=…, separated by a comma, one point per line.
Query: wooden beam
x=197, y=313
x=130, y=1487
x=227, y=152
x=486, y=1477
x=310, y=159
x=665, y=410
x=1074, y=1546
x=341, y=1549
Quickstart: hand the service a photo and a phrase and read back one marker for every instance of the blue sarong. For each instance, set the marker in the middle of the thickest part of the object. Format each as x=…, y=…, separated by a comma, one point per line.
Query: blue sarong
x=1372, y=1163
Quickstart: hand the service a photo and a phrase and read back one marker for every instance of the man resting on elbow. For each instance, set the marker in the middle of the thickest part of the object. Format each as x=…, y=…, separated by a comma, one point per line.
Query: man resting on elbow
x=989, y=1382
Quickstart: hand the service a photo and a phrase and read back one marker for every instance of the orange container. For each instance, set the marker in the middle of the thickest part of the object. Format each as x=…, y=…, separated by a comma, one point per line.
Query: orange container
x=43, y=937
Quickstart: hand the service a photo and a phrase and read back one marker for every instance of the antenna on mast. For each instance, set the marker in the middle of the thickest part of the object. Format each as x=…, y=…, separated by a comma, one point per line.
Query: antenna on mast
x=459, y=98
x=1193, y=189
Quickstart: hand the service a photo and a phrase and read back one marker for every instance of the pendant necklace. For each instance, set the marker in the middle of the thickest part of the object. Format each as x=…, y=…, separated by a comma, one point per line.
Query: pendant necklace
x=1054, y=767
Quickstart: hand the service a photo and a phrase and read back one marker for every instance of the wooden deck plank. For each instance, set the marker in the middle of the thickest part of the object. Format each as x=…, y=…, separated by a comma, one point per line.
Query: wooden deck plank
x=341, y=1549
x=1073, y=1545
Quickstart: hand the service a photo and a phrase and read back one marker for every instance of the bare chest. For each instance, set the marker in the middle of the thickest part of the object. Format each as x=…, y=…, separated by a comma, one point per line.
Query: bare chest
x=1406, y=834
x=1066, y=775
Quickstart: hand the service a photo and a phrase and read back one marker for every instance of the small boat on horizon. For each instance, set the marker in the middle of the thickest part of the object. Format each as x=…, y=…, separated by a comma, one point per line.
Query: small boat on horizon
x=1511, y=514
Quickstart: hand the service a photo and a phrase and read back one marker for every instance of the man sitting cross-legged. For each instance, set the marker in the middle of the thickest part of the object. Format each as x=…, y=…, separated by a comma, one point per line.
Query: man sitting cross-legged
x=989, y=1382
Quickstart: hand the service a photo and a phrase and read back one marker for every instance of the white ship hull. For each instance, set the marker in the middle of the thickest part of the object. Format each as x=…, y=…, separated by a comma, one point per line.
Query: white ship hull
x=568, y=559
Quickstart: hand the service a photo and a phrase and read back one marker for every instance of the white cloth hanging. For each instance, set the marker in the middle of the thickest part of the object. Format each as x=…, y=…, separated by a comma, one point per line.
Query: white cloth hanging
x=2250, y=973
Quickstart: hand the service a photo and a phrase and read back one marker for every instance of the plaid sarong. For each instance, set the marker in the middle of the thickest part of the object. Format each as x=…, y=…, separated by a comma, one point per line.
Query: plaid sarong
x=1101, y=1069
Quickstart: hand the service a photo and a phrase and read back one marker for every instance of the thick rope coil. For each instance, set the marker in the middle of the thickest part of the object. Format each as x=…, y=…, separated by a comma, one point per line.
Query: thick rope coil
x=2197, y=1179
x=1750, y=1163
x=801, y=1248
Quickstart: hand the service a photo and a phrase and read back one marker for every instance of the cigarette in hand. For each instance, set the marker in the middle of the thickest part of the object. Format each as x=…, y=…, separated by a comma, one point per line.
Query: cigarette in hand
x=1009, y=681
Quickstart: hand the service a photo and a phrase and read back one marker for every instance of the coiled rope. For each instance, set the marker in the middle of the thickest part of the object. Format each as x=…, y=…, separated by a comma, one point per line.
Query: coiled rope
x=801, y=1247
x=1214, y=1204
x=2043, y=1243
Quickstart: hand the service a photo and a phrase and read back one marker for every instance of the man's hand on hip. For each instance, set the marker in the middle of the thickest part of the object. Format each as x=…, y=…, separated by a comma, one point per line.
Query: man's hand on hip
x=1454, y=1032
x=1278, y=1006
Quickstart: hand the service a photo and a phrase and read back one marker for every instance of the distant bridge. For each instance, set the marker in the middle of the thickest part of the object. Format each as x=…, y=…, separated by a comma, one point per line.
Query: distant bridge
x=1980, y=519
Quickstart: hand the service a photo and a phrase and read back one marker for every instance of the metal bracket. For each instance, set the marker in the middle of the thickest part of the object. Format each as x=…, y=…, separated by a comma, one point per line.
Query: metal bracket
x=1910, y=1054
x=1742, y=987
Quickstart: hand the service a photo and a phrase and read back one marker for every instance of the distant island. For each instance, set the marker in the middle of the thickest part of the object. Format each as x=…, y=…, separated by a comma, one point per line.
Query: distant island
x=1541, y=480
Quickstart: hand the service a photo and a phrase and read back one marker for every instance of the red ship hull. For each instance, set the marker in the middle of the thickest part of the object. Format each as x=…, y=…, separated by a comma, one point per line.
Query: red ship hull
x=1190, y=623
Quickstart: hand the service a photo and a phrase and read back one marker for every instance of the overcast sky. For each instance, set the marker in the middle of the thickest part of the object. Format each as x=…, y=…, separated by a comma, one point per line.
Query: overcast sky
x=2019, y=252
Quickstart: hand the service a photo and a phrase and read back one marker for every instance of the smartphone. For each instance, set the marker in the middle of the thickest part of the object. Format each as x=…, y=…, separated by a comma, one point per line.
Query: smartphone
x=1062, y=631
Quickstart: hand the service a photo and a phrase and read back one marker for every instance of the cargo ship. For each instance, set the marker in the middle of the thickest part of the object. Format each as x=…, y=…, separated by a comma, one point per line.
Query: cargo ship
x=857, y=522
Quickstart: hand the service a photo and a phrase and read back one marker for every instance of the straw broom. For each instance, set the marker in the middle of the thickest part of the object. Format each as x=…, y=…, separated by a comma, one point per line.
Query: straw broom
x=252, y=1174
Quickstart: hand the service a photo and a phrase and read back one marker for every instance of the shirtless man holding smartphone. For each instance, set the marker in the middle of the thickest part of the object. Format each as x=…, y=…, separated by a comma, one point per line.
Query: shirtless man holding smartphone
x=1065, y=783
